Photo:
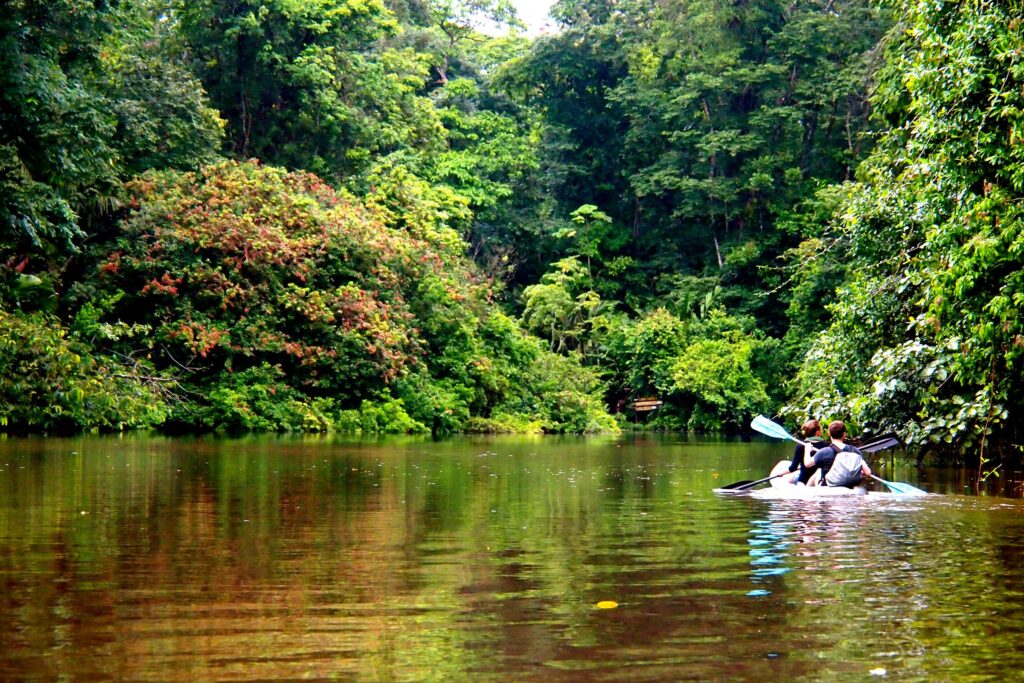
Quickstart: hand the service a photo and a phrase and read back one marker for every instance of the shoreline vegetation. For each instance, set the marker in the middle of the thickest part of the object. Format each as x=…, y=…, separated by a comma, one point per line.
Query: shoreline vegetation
x=341, y=216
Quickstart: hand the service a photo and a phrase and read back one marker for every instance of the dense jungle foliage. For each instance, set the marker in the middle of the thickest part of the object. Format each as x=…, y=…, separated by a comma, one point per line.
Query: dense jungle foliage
x=373, y=215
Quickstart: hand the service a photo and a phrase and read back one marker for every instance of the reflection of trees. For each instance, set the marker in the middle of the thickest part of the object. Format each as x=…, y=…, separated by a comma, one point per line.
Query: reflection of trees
x=294, y=557
x=401, y=561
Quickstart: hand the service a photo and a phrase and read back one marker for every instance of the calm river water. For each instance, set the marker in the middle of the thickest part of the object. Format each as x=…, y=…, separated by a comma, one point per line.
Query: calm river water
x=157, y=559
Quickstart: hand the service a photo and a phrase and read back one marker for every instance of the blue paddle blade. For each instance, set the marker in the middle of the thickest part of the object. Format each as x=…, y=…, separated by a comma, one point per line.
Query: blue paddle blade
x=906, y=489
x=898, y=487
x=768, y=428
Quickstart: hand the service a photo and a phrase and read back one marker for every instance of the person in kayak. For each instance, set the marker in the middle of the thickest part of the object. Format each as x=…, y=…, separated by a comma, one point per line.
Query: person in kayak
x=840, y=463
x=810, y=433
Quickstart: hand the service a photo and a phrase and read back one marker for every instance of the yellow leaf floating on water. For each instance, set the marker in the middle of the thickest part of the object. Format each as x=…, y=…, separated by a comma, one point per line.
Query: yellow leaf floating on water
x=607, y=604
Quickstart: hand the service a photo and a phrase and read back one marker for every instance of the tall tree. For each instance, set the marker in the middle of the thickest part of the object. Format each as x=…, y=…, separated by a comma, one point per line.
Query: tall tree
x=697, y=125
x=85, y=101
x=570, y=76
x=55, y=129
x=459, y=20
x=927, y=335
x=304, y=84
x=738, y=110
x=567, y=79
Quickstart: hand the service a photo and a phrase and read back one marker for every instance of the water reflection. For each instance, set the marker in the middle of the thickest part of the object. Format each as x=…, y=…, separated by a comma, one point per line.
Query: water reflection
x=769, y=539
x=261, y=559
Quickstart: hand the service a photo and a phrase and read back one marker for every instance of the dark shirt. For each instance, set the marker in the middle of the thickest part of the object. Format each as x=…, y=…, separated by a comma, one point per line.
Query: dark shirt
x=798, y=453
x=826, y=456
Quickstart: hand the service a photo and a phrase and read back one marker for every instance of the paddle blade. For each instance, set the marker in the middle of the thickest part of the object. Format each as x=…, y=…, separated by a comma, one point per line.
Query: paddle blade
x=744, y=485
x=738, y=485
x=906, y=489
x=880, y=438
x=725, y=490
x=875, y=446
x=765, y=426
x=898, y=487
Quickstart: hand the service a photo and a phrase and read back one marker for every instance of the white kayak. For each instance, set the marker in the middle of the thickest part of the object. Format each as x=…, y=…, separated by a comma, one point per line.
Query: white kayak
x=783, y=486
x=801, y=492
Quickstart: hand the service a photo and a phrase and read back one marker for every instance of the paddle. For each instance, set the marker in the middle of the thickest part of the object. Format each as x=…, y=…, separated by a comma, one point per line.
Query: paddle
x=744, y=485
x=768, y=428
x=765, y=426
x=879, y=444
x=881, y=438
x=905, y=489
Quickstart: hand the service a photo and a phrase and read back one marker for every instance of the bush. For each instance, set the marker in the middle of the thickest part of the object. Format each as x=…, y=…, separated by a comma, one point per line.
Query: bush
x=713, y=378
x=568, y=396
x=504, y=423
x=387, y=416
x=51, y=381
x=257, y=400
x=712, y=371
x=284, y=305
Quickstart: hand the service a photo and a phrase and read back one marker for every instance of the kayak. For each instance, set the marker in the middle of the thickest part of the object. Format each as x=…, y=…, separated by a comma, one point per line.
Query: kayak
x=801, y=492
x=782, y=478
x=762, y=424
x=783, y=486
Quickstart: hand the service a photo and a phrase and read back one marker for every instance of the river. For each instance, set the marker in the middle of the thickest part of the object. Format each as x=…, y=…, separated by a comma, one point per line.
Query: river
x=485, y=559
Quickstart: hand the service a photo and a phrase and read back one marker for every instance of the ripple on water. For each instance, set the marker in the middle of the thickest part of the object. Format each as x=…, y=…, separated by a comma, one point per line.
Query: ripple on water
x=389, y=564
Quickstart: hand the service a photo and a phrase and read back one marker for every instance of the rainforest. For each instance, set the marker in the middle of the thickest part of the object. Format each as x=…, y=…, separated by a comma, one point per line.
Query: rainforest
x=402, y=216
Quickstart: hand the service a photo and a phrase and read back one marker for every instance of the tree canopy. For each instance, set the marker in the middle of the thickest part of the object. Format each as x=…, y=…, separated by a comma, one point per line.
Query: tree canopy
x=927, y=321
x=342, y=214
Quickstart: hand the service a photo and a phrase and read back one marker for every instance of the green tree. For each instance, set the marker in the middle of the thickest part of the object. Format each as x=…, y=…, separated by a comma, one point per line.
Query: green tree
x=460, y=20
x=926, y=333
x=714, y=379
x=697, y=126
x=307, y=84
x=489, y=154
x=86, y=99
x=737, y=112
x=563, y=308
x=648, y=347
x=569, y=77
x=51, y=381
x=55, y=129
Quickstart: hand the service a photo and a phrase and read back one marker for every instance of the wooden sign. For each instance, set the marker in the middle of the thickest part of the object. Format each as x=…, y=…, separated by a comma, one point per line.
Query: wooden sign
x=642, y=405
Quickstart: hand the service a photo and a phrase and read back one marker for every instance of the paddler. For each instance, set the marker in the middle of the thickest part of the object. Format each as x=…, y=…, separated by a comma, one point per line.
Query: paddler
x=840, y=463
x=810, y=433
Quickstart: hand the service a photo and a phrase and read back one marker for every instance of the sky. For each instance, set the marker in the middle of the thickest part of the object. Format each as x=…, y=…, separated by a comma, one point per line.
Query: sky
x=534, y=13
